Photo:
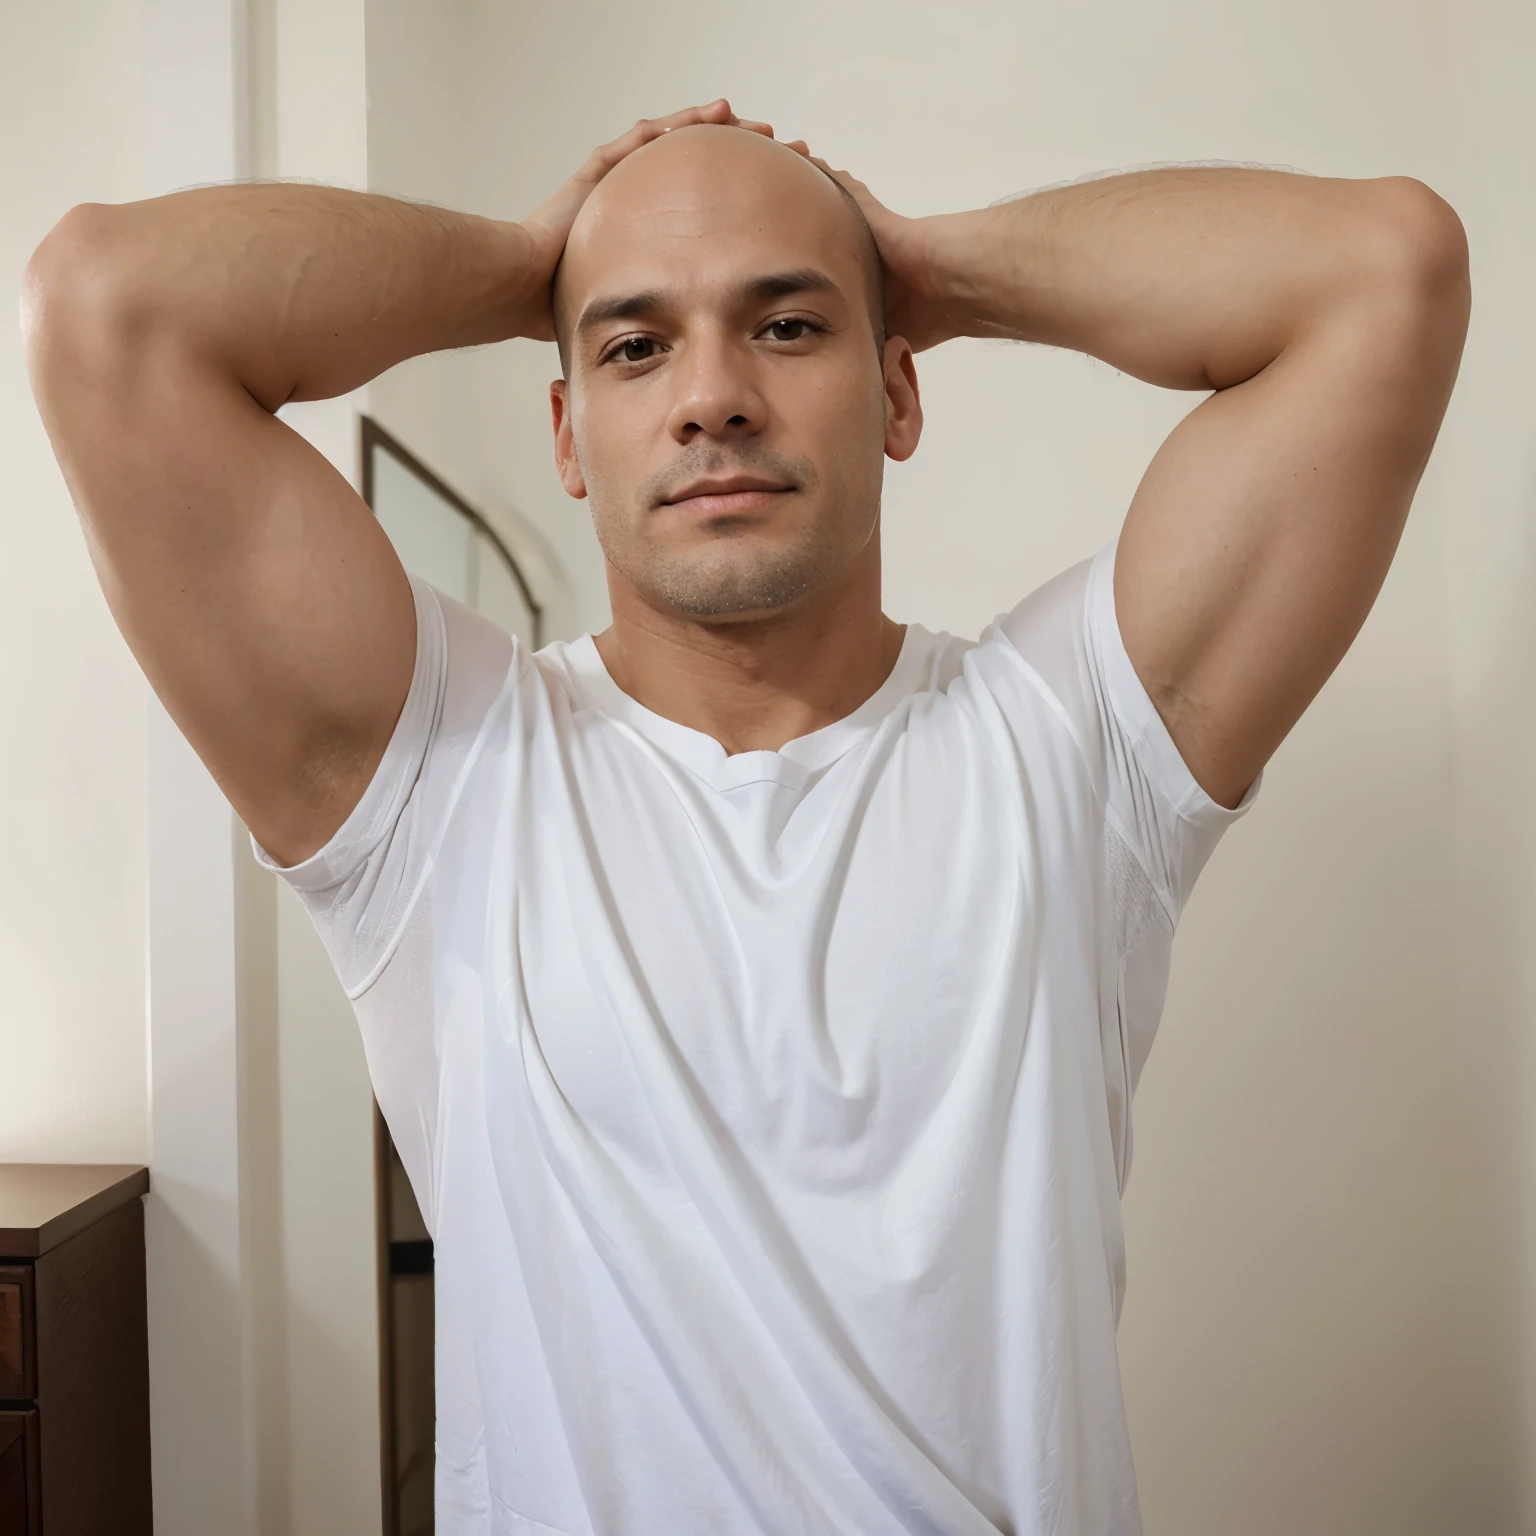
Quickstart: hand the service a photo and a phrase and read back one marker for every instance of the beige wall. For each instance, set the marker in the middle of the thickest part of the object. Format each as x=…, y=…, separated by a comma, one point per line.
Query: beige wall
x=1488, y=481
x=1323, y=1297
x=479, y=417
x=72, y=1030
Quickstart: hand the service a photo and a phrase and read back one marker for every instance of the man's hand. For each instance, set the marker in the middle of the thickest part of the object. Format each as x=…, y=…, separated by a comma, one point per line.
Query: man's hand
x=550, y=223
x=916, y=308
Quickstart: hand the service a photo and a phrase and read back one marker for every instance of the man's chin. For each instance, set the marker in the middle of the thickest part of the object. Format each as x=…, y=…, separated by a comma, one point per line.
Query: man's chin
x=735, y=591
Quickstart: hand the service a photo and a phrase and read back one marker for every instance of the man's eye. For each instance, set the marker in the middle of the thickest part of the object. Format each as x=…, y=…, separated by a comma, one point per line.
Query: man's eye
x=634, y=349
x=789, y=330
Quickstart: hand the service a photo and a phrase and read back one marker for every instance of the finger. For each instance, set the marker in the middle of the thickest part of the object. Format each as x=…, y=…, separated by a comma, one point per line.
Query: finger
x=842, y=178
x=556, y=214
x=874, y=210
x=717, y=111
x=766, y=129
x=799, y=146
x=649, y=128
x=606, y=156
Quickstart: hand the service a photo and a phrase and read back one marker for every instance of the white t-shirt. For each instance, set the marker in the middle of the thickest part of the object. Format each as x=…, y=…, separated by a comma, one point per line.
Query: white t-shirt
x=770, y=1112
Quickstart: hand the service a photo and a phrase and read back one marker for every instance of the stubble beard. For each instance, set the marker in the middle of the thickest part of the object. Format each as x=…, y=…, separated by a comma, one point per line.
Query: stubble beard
x=730, y=576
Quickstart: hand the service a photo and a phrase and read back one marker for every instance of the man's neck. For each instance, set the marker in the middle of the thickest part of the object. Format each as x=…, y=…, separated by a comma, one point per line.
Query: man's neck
x=754, y=684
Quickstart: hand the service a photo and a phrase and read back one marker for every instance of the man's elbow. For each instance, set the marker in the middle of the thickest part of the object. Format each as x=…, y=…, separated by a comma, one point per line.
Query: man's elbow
x=1421, y=248
x=78, y=297
x=1405, y=294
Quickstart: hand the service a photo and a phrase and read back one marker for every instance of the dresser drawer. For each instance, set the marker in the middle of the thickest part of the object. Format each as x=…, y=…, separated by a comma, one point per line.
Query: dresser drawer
x=19, y=1481
x=18, y=1331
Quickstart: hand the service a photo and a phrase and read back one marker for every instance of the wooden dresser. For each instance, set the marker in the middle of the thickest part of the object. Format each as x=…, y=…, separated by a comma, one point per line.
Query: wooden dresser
x=74, y=1351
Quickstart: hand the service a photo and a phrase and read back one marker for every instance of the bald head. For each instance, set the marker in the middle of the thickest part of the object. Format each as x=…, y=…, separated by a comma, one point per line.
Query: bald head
x=723, y=411
x=706, y=197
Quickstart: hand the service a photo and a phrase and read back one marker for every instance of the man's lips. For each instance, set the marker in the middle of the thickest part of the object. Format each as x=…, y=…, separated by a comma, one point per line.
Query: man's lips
x=733, y=493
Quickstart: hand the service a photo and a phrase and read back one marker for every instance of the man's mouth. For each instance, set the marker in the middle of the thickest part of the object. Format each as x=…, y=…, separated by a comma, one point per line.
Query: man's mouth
x=725, y=495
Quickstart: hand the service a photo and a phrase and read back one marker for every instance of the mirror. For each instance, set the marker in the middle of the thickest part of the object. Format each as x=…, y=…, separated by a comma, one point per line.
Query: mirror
x=441, y=537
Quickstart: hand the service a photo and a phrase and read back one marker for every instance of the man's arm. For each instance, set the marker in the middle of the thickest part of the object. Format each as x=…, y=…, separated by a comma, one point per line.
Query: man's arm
x=1328, y=316
x=265, y=605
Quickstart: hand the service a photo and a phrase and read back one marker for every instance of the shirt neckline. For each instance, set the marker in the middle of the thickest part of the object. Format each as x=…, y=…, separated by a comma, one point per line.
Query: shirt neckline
x=791, y=765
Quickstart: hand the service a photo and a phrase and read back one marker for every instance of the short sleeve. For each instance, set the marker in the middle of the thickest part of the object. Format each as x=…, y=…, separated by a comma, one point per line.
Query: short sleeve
x=375, y=892
x=1069, y=634
x=360, y=887
x=1159, y=826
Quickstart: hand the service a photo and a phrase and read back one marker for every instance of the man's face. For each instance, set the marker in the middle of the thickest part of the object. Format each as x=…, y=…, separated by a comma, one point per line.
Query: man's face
x=726, y=406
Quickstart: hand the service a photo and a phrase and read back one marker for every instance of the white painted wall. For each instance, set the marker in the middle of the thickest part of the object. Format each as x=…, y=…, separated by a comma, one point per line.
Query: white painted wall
x=72, y=912
x=1488, y=481
x=430, y=133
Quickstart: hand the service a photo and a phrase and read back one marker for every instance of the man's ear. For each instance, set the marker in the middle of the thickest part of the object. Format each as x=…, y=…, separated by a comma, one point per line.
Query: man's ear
x=566, y=462
x=903, y=406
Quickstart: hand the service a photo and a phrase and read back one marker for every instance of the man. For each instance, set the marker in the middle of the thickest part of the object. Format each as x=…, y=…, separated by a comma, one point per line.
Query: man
x=755, y=990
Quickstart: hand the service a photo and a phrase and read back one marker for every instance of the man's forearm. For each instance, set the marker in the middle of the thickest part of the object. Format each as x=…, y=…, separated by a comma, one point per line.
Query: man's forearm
x=300, y=292
x=1191, y=278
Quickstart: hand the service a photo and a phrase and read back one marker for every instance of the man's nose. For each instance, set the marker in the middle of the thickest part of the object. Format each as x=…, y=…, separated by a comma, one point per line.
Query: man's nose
x=717, y=392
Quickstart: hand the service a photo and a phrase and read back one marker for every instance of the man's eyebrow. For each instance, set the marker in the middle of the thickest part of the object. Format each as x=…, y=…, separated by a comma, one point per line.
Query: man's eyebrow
x=624, y=306
x=652, y=301
x=784, y=285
